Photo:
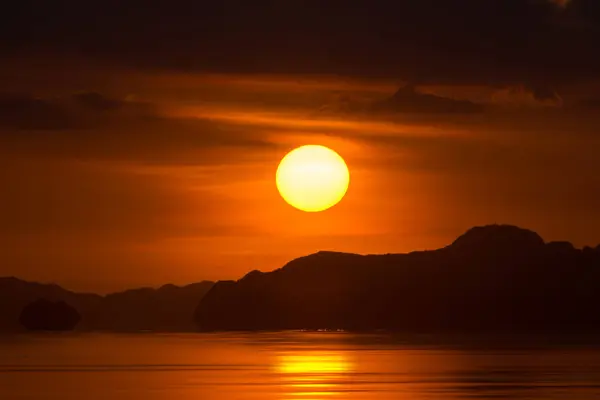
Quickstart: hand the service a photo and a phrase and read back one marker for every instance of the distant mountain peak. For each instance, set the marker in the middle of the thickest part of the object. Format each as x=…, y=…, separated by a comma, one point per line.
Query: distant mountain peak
x=328, y=254
x=251, y=275
x=331, y=253
x=320, y=259
x=498, y=237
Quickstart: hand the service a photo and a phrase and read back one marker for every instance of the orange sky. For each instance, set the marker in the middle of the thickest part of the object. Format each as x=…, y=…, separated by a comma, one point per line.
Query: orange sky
x=177, y=185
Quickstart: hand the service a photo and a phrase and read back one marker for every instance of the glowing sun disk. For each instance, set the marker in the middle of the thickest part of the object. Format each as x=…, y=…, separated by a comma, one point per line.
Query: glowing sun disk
x=312, y=178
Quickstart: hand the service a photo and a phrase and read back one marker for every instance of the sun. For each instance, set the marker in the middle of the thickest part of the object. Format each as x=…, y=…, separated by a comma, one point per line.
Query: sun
x=312, y=178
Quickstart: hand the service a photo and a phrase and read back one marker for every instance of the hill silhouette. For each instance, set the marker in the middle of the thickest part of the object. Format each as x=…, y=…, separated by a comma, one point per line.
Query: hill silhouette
x=497, y=278
x=168, y=308
x=45, y=315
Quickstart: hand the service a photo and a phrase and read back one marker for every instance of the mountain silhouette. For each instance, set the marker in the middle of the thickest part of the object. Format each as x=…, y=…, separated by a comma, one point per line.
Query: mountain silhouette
x=15, y=294
x=497, y=278
x=168, y=308
x=45, y=315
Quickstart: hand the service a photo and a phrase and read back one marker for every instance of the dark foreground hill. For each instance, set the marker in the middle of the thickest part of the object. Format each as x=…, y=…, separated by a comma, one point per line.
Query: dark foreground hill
x=45, y=315
x=495, y=278
x=168, y=308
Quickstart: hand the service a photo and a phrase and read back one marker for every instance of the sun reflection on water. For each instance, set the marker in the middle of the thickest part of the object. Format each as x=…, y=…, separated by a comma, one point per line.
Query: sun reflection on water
x=313, y=375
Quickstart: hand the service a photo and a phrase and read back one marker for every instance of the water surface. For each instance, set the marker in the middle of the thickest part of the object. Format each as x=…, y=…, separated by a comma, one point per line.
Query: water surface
x=292, y=365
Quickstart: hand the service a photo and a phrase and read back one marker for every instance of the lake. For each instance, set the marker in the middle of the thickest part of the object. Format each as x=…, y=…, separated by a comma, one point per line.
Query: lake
x=293, y=365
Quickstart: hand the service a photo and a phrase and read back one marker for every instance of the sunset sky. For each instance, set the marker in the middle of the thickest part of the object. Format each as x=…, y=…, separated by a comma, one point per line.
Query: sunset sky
x=139, y=143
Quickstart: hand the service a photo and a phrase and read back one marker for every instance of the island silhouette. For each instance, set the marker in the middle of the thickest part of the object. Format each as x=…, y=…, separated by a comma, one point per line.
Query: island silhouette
x=46, y=315
x=495, y=278
x=168, y=308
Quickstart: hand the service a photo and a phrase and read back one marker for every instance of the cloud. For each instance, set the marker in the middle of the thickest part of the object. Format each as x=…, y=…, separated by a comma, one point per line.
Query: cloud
x=429, y=41
x=91, y=126
x=83, y=110
x=188, y=178
x=404, y=102
x=408, y=100
x=97, y=101
x=530, y=97
x=19, y=111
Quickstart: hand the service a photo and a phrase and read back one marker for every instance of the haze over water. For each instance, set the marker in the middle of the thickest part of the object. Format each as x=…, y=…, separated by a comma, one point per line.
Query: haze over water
x=292, y=365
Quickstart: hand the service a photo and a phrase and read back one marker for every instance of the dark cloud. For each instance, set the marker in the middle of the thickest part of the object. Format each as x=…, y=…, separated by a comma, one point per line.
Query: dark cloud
x=340, y=104
x=405, y=101
x=527, y=96
x=25, y=112
x=469, y=41
x=79, y=111
x=89, y=125
x=545, y=94
x=97, y=101
x=408, y=100
x=590, y=103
